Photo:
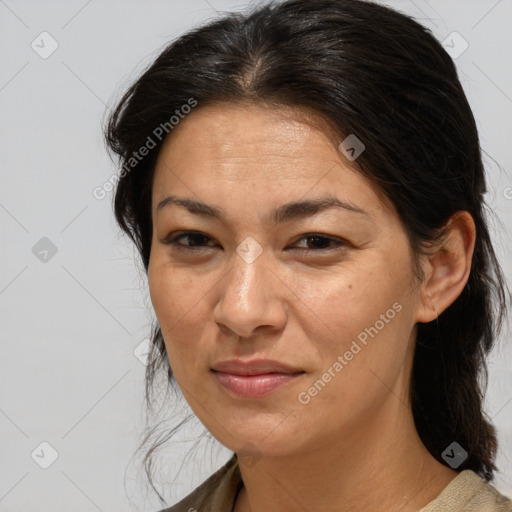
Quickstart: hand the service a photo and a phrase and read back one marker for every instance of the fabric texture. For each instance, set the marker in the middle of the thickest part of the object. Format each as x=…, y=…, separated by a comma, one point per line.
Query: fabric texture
x=467, y=492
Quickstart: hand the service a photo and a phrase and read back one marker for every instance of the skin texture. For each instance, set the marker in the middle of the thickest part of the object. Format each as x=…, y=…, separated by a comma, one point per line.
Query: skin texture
x=354, y=445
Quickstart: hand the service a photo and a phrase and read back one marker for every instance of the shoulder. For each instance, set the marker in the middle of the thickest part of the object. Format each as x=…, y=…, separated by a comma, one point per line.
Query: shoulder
x=468, y=492
x=217, y=493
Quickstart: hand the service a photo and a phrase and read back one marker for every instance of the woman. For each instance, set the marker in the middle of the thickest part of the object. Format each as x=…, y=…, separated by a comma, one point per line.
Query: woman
x=305, y=187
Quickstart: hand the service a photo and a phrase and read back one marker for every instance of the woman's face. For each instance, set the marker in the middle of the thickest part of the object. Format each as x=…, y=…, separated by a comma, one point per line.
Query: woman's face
x=272, y=272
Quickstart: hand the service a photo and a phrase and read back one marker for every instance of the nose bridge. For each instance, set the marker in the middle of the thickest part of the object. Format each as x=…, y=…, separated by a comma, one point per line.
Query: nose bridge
x=249, y=262
x=248, y=299
x=246, y=288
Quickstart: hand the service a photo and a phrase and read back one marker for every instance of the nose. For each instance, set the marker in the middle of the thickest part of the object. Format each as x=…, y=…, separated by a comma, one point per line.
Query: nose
x=252, y=299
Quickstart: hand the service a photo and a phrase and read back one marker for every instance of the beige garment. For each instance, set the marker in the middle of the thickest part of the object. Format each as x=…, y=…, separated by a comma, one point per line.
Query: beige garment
x=467, y=492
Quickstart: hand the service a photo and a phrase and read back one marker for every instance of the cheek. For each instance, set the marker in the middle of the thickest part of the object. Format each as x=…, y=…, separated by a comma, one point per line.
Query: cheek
x=161, y=289
x=172, y=289
x=339, y=304
x=361, y=313
x=359, y=358
x=177, y=304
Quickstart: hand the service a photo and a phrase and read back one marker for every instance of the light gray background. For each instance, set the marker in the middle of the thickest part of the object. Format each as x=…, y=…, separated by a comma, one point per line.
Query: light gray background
x=69, y=326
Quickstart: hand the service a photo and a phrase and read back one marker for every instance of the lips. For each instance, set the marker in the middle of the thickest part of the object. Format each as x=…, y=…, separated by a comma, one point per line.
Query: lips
x=255, y=367
x=254, y=379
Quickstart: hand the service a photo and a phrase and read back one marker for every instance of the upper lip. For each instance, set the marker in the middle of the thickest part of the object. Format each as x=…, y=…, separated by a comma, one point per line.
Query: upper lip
x=254, y=367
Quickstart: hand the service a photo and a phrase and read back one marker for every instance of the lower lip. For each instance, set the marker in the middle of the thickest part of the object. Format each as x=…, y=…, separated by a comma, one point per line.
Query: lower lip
x=254, y=386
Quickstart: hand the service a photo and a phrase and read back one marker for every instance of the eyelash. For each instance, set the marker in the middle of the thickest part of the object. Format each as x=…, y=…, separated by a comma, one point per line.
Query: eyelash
x=173, y=241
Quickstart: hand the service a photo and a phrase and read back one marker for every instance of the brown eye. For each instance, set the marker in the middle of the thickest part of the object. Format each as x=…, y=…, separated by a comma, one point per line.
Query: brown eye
x=196, y=239
x=320, y=243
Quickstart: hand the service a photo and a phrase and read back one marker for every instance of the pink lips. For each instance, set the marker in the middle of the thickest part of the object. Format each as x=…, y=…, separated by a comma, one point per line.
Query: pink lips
x=254, y=379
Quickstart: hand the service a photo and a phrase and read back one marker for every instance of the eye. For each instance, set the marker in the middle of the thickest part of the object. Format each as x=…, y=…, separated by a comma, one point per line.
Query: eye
x=197, y=241
x=321, y=243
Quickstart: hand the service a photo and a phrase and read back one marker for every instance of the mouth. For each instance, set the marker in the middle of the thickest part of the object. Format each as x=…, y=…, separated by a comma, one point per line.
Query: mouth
x=254, y=379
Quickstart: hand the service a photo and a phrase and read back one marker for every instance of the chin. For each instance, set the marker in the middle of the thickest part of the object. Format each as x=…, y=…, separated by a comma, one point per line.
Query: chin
x=259, y=438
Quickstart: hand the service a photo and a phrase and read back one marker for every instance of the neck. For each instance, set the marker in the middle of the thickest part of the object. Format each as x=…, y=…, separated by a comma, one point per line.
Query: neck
x=380, y=465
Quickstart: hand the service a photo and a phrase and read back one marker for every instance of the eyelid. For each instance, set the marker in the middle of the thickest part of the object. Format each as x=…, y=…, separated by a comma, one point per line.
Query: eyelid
x=172, y=240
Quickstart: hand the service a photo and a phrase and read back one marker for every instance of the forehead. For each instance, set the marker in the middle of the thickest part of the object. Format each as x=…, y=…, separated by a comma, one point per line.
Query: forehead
x=236, y=135
x=246, y=147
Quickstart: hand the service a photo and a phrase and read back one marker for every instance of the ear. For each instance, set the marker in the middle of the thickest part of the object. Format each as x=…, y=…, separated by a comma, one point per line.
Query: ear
x=447, y=269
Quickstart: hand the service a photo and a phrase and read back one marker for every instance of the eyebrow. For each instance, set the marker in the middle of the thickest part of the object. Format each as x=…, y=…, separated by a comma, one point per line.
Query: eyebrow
x=281, y=214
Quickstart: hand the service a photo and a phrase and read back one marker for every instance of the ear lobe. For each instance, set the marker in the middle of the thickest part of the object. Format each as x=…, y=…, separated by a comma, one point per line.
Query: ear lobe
x=449, y=267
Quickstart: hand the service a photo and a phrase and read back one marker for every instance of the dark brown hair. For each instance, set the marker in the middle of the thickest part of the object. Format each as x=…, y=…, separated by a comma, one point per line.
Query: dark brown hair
x=393, y=85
